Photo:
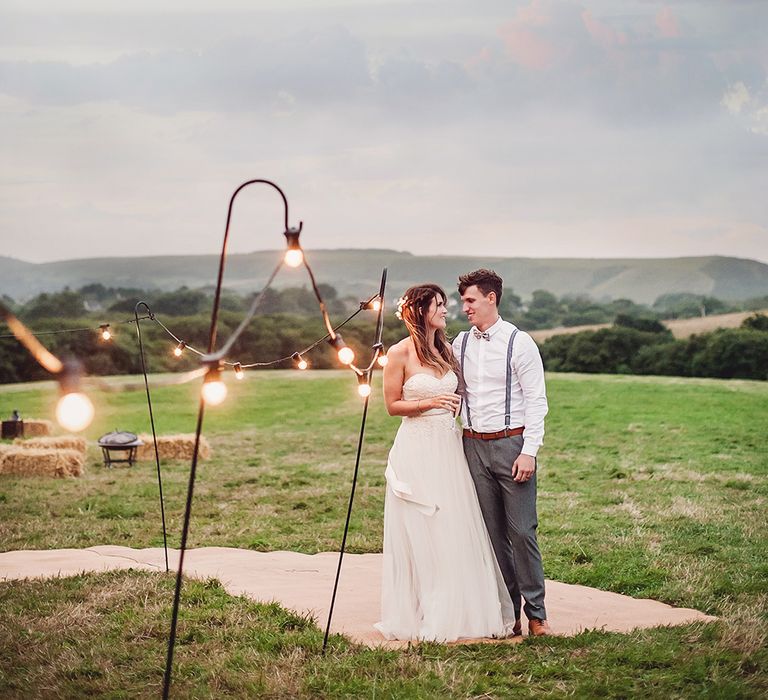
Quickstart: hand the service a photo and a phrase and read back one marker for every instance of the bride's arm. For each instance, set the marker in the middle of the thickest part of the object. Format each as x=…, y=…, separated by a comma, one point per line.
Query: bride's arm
x=394, y=377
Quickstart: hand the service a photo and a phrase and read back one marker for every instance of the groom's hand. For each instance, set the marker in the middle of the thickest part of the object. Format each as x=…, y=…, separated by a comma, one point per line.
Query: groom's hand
x=523, y=468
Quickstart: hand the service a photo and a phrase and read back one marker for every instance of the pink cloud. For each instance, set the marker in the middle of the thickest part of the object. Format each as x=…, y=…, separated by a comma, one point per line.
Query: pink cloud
x=523, y=43
x=601, y=33
x=479, y=59
x=667, y=23
x=526, y=48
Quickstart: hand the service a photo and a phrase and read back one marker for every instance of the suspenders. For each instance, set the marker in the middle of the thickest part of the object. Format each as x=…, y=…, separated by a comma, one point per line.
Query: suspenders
x=508, y=397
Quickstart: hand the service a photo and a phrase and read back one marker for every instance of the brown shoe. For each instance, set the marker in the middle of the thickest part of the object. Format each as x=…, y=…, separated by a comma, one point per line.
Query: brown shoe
x=538, y=628
x=517, y=630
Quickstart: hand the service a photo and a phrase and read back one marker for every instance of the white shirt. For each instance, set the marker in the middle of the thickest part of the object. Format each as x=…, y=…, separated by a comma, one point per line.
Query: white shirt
x=485, y=376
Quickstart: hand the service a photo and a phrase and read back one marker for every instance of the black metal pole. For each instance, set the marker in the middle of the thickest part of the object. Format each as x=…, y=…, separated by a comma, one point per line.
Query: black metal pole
x=377, y=344
x=182, y=551
x=346, y=524
x=152, y=423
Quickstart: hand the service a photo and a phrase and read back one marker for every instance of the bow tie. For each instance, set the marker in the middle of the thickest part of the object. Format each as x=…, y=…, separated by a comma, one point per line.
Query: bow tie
x=485, y=335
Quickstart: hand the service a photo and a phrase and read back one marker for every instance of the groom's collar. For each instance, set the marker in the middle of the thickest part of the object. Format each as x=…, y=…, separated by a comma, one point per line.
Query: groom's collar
x=492, y=330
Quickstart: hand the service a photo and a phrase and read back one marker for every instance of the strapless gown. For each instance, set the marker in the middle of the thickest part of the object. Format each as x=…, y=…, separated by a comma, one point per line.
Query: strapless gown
x=440, y=578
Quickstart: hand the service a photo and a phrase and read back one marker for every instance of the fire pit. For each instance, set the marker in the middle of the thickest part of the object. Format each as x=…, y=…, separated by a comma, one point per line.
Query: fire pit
x=119, y=447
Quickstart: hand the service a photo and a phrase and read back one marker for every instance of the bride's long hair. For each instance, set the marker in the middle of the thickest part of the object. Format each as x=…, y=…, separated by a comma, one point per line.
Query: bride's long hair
x=414, y=309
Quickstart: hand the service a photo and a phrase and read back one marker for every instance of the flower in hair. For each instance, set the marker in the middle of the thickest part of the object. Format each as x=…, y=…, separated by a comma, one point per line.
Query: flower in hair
x=401, y=302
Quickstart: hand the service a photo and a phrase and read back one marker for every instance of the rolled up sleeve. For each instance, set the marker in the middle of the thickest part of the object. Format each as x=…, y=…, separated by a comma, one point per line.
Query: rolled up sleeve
x=530, y=374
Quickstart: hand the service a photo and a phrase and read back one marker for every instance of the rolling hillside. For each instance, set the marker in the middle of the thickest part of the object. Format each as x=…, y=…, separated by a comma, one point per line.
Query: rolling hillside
x=358, y=271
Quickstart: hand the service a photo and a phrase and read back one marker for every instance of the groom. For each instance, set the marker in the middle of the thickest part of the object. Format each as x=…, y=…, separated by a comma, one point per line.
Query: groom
x=503, y=417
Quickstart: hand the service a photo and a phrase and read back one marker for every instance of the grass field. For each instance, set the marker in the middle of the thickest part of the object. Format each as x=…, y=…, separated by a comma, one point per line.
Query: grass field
x=649, y=487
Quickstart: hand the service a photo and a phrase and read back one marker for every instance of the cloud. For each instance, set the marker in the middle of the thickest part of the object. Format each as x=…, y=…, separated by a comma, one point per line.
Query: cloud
x=235, y=74
x=750, y=109
x=526, y=48
x=541, y=128
x=735, y=98
x=667, y=23
x=522, y=40
x=550, y=52
x=601, y=32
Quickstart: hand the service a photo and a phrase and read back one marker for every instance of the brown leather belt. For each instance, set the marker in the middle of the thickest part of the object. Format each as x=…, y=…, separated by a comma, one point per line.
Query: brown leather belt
x=507, y=432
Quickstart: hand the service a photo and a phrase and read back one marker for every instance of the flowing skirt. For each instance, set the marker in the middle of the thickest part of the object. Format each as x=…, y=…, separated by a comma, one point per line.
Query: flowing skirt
x=441, y=581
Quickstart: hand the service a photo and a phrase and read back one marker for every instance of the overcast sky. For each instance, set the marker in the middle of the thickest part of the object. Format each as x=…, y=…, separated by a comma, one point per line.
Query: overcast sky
x=598, y=128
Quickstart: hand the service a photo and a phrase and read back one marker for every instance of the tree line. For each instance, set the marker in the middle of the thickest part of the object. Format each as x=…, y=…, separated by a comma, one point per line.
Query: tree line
x=289, y=320
x=640, y=346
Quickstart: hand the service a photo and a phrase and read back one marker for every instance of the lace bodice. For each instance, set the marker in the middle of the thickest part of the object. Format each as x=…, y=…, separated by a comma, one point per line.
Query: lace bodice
x=423, y=386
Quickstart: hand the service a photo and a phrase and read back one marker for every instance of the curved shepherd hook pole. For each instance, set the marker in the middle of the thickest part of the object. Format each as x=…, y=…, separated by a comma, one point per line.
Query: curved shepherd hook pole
x=365, y=376
x=152, y=421
x=213, y=361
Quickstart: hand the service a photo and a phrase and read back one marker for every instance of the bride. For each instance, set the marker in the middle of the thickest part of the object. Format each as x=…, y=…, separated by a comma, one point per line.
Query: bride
x=440, y=580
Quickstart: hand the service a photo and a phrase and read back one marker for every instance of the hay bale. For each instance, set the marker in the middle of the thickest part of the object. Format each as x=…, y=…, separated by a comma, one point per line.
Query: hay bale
x=172, y=447
x=20, y=461
x=4, y=449
x=37, y=428
x=65, y=442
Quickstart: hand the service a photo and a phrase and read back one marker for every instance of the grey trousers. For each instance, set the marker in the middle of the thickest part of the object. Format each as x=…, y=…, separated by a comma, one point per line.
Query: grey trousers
x=509, y=511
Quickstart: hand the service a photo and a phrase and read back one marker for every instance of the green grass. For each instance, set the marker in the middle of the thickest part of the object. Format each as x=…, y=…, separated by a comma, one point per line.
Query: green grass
x=649, y=487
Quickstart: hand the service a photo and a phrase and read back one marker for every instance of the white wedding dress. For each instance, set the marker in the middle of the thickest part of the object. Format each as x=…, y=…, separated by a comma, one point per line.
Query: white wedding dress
x=440, y=578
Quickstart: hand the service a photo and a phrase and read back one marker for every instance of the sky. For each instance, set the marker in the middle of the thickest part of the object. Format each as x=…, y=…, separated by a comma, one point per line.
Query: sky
x=541, y=128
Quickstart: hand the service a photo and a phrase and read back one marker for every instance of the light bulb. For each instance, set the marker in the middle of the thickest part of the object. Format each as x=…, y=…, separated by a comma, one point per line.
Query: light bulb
x=382, y=360
x=105, y=332
x=346, y=355
x=74, y=412
x=177, y=352
x=179, y=348
x=294, y=257
x=364, y=390
x=239, y=373
x=214, y=392
x=376, y=304
x=301, y=363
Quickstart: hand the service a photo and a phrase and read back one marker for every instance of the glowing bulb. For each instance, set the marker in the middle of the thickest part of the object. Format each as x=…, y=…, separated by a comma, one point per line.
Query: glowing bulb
x=382, y=360
x=105, y=332
x=346, y=355
x=376, y=304
x=294, y=257
x=179, y=348
x=239, y=373
x=214, y=392
x=301, y=363
x=74, y=412
x=214, y=389
x=177, y=352
x=364, y=390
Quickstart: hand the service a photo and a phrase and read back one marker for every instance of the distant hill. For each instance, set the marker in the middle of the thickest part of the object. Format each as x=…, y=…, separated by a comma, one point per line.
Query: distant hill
x=358, y=271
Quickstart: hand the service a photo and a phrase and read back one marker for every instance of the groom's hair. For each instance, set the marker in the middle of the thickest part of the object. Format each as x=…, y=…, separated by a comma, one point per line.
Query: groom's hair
x=486, y=281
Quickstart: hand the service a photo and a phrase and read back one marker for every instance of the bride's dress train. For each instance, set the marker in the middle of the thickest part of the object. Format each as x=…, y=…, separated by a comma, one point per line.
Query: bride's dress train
x=440, y=580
